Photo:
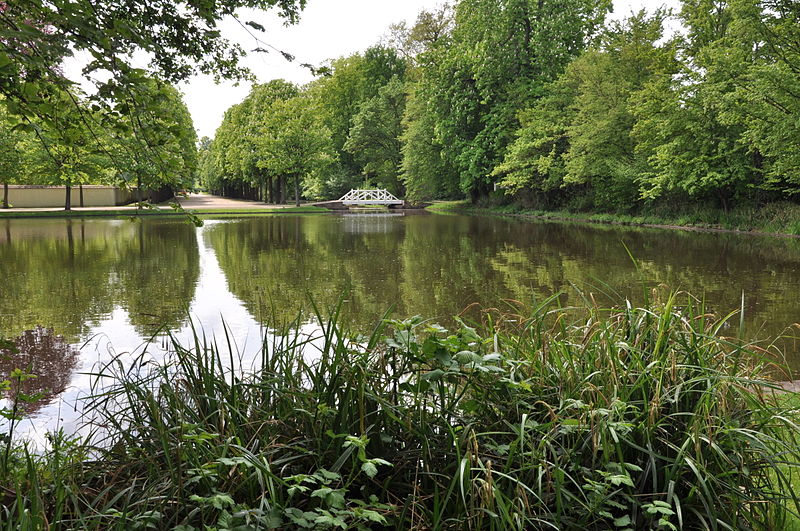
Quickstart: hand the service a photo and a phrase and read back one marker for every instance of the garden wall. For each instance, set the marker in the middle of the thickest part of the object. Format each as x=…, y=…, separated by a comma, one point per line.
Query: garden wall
x=30, y=196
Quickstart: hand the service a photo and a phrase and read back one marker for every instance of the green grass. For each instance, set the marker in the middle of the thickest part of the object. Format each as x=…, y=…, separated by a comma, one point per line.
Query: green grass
x=773, y=218
x=12, y=214
x=538, y=418
x=791, y=401
x=160, y=211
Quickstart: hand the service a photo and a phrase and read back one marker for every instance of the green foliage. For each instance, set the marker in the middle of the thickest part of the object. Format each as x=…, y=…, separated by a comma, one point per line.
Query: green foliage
x=163, y=150
x=294, y=143
x=429, y=30
x=640, y=119
x=63, y=149
x=353, y=81
x=425, y=174
x=235, y=158
x=535, y=160
x=631, y=418
x=689, y=149
x=11, y=169
x=375, y=137
x=499, y=58
x=601, y=151
x=133, y=124
x=539, y=98
x=340, y=130
x=579, y=134
x=146, y=140
x=180, y=37
x=759, y=59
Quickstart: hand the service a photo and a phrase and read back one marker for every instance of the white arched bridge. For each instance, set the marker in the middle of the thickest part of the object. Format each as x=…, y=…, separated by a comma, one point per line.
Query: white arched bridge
x=356, y=198
x=369, y=197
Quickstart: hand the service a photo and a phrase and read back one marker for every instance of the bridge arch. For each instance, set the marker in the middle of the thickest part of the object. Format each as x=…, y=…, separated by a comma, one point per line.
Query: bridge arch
x=369, y=197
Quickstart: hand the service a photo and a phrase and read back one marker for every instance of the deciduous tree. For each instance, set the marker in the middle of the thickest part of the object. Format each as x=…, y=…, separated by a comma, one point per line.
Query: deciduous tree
x=374, y=139
x=294, y=143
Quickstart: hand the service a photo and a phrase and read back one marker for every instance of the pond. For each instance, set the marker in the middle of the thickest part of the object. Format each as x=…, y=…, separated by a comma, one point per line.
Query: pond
x=77, y=292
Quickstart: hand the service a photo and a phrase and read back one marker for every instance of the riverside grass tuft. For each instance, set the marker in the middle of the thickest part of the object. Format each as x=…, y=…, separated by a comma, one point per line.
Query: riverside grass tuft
x=590, y=418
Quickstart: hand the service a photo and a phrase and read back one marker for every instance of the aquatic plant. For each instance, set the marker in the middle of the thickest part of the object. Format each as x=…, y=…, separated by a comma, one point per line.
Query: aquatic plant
x=628, y=418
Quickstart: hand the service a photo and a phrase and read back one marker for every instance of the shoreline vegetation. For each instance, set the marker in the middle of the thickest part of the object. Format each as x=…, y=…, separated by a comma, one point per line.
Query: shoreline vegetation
x=158, y=211
x=775, y=219
x=540, y=417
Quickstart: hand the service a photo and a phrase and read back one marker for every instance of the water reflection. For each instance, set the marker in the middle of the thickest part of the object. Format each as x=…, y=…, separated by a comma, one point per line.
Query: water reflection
x=45, y=356
x=437, y=265
x=119, y=281
x=362, y=223
x=155, y=275
x=71, y=274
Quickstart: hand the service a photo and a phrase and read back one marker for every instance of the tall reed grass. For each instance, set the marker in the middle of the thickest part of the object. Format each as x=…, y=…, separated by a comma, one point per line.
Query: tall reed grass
x=632, y=418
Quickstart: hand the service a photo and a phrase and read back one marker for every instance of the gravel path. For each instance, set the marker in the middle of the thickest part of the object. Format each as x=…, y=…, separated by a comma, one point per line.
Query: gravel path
x=207, y=201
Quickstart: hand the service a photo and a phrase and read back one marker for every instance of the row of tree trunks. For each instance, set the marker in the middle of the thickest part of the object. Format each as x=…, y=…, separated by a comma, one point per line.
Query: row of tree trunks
x=273, y=191
x=68, y=197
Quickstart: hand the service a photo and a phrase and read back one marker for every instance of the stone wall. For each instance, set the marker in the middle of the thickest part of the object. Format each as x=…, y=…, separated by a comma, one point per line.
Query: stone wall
x=29, y=196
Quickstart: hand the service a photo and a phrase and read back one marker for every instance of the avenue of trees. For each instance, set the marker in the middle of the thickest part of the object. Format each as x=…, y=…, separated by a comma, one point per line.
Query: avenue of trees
x=550, y=104
x=130, y=127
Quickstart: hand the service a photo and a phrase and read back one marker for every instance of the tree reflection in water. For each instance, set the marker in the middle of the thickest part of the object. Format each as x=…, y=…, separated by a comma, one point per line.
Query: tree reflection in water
x=47, y=356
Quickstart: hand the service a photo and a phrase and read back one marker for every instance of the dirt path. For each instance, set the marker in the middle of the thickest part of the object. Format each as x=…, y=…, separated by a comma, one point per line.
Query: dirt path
x=207, y=201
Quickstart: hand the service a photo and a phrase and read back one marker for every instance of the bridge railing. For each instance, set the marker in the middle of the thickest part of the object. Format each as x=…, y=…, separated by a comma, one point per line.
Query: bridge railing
x=370, y=197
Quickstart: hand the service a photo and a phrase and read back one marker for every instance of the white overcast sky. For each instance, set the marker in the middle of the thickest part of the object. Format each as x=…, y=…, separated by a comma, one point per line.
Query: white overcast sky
x=328, y=29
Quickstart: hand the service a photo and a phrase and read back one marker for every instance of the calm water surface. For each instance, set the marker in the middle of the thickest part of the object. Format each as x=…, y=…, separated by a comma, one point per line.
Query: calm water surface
x=76, y=292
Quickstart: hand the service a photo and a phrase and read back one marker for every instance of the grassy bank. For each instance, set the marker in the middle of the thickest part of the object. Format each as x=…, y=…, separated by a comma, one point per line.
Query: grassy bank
x=160, y=211
x=542, y=418
x=774, y=218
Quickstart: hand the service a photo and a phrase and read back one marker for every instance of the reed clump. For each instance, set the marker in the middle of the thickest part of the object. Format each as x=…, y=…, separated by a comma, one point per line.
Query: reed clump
x=631, y=418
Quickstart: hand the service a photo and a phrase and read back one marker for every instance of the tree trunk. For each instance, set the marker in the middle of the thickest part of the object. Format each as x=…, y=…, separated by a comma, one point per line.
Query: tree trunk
x=139, y=192
x=68, y=200
x=282, y=184
x=723, y=199
x=296, y=190
x=141, y=239
x=80, y=187
x=5, y=195
x=70, y=242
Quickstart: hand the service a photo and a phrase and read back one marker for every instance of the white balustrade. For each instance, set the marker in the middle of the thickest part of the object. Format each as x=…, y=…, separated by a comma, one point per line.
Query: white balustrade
x=370, y=197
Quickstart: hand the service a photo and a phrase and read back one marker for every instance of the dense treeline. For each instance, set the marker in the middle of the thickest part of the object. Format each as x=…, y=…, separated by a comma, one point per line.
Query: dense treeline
x=546, y=103
x=145, y=142
x=129, y=126
x=326, y=138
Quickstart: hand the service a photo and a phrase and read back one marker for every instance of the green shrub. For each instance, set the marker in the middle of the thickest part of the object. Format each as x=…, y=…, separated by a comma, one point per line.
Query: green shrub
x=635, y=418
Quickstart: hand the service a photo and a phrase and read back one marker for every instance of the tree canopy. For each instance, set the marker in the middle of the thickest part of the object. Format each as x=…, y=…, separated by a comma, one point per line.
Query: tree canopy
x=539, y=102
x=132, y=119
